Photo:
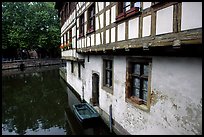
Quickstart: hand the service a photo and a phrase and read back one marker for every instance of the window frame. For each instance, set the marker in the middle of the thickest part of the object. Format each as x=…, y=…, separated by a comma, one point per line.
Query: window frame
x=79, y=70
x=105, y=85
x=123, y=13
x=70, y=38
x=72, y=67
x=133, y=99
x=91, y=28
x=81, y=26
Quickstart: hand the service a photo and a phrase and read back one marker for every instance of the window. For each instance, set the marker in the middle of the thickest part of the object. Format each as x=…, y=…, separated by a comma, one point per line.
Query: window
x=72, y=66
x=91, y=19
x=79, y=70
x=126, y=9
x=108, y=73
x=70, y=38
x=81, y=25
x=138, y=73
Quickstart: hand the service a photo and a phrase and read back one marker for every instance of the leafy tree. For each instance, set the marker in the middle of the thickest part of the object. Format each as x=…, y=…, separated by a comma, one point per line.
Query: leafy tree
x=30, y=26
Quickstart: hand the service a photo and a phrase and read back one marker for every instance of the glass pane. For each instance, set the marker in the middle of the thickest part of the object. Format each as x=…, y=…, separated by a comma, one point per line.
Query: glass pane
x=136, y=82
x=107, y=64
x=108, y=74
x=136, y=69
x=108, y=82
x=145, y=84
x=144, y=95
x=127, y=4
x=127, y=8
x=136, y=92
x=146, y=69
x=91, y=22
x=137, y=4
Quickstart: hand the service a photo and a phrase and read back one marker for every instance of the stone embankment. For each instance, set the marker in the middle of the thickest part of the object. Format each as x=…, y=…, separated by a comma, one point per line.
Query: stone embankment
x=29, y=63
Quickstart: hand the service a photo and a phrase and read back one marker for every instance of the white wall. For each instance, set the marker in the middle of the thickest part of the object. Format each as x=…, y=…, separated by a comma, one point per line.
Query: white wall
x=72, y=78
x=176, y=100
x=191, y=15
x=177, y=83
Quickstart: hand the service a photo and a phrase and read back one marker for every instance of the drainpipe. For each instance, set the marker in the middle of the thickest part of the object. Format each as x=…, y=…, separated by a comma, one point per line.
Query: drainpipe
x=76, y=25
x=110, y=118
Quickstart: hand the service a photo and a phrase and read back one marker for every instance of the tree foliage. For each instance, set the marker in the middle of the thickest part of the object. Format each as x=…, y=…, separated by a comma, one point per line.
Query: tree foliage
x=30, y=26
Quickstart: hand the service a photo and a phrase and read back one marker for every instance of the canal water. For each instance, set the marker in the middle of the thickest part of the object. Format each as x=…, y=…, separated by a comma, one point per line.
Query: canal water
x=37, y=101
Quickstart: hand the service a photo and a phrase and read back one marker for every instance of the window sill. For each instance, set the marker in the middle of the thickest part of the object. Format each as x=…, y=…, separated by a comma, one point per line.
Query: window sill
x=127, y=14
x=108, y=89
x=81, y=36
x=135, y=103
x=91, y=30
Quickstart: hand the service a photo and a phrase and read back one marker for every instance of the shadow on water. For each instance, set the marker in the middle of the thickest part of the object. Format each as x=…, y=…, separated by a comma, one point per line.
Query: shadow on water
x=34, y=102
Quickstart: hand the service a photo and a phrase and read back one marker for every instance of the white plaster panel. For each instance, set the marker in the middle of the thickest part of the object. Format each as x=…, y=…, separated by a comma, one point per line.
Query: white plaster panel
x=121, y=31
x=92, y=39
x=164, y=20
x=85, y=16
x=107, y=36
x=96, y=23
x=73, y=31
x=78, y=22
x=80, y=43
x=97, y=39
x=107, y=17
x=101, y=21
x=113, y=14
x=191, y=15
x=61, y=39
x=96, y=7
x=88, y=41
x=146, y=26
x=146, y=5
x=113, y=34
x=101, y=5
x=83, y=43
x=107, y=3
x=73, y=42
x=133, y=28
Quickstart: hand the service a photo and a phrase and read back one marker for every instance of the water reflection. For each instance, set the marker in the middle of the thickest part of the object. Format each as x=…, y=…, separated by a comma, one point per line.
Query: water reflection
x=39, y=102
x=33, y=103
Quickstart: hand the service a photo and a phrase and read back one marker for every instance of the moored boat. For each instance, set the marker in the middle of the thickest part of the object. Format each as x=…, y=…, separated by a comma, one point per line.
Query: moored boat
x=85, y=112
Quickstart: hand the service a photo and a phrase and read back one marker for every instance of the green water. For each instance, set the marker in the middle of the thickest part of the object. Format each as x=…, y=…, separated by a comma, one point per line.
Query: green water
x=34, y=103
